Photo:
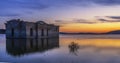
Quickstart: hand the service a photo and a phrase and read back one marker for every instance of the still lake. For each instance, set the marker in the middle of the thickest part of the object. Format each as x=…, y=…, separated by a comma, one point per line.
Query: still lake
x=65, y=49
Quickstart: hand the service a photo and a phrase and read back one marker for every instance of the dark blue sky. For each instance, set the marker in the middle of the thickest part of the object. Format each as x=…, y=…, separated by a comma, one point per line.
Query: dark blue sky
x=10, y=8
x=52, y=11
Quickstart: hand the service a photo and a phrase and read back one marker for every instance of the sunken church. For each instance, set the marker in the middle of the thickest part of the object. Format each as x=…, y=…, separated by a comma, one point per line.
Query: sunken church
x=17, y=28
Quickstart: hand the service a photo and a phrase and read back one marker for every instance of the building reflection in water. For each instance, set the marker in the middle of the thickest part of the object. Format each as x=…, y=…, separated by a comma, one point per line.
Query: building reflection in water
x=18, y=47
x=73, y=48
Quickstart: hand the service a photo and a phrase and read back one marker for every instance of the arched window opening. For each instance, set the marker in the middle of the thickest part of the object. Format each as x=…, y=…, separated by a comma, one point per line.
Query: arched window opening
x=31, y=32
x=12, y=32
x=42, y=32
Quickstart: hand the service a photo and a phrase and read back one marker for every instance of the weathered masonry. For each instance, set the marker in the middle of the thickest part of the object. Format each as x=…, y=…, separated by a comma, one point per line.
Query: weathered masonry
x=20, y=29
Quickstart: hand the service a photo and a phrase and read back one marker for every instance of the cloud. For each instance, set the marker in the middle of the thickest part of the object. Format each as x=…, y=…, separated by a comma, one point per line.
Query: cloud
x=24, y=6
x=85, y=2
x=43, y=4
x=17, y=7
x=89, y=2
x=61, y=22
x=9, y=14
x=101, y=19
x=58, y=21
x=107, y=2
x=83, y=21
x=108, y=18
x=113, y=17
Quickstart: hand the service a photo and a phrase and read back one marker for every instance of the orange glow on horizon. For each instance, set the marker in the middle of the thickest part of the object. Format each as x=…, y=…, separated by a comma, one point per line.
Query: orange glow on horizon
x=93, y=28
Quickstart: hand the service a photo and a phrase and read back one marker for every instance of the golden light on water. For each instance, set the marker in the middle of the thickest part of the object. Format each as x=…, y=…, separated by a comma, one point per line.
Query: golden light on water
x=100, y=43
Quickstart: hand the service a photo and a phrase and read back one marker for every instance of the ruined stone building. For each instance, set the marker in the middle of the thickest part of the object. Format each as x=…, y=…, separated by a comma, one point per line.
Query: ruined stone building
x=21, y=29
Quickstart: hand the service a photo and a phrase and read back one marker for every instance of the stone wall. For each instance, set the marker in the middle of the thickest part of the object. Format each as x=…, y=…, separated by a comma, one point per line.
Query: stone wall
x=53, y=31
x=42, y=31
x=15, y=29
x=21, y=29
x=30, y=30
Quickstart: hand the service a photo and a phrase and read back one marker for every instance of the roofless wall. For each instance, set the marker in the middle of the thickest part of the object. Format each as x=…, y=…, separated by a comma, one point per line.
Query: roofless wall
x=22, y=29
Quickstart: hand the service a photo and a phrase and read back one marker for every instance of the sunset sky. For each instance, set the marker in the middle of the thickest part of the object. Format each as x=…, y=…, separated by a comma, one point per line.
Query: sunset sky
x=96, y=16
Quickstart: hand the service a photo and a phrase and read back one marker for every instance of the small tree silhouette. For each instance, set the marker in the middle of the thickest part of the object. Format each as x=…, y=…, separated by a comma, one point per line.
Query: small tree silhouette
x=73, y=48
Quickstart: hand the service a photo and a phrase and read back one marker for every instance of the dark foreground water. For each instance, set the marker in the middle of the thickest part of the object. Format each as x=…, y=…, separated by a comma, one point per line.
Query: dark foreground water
x=66, y=49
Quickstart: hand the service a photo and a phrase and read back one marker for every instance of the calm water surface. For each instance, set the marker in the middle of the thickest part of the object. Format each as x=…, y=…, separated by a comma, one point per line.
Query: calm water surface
x=65, y=49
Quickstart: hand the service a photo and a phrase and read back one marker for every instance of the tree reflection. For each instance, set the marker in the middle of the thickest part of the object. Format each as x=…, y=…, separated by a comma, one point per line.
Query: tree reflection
x=73, y=48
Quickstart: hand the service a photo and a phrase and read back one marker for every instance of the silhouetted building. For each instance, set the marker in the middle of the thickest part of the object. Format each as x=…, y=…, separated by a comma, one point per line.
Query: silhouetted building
x=18, y=47
x=21, y=29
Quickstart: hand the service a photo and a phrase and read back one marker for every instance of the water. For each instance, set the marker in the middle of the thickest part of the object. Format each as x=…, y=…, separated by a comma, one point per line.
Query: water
x=66, y=49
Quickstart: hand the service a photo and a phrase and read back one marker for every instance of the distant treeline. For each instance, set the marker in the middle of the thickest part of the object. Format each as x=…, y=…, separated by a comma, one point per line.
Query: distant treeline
x=2, y=31
x=111, y=32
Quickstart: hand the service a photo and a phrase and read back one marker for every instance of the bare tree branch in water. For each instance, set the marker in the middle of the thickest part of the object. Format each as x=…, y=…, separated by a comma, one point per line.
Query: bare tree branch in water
x=73, y=48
